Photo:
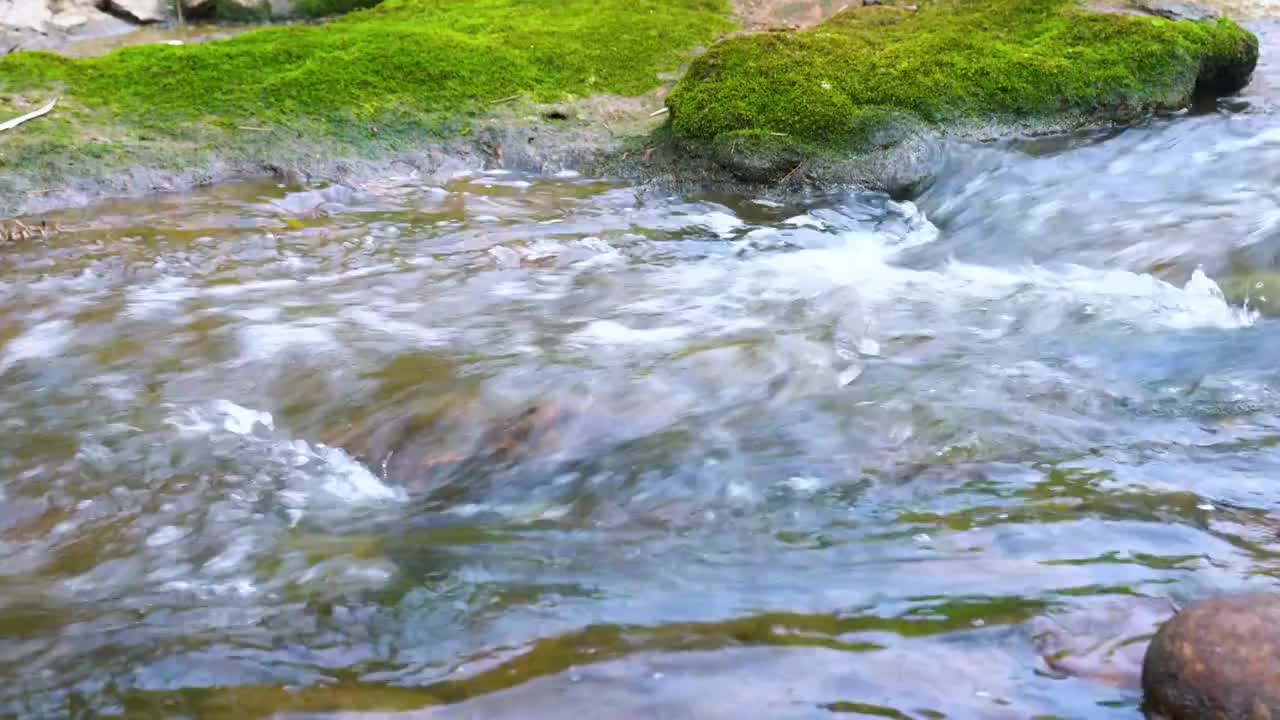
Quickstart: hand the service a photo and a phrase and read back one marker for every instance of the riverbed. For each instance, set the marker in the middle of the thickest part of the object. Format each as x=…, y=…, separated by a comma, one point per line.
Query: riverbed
x=495, y=445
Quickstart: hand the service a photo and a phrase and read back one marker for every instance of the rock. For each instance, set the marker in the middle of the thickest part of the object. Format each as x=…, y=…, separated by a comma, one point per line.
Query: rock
x=52, y=24
x=141, y=11
x=1259, y=291
x=232, y=10
x=1100, y=639
x=974, y=70
x=1217, y=659
x=759, y=157
x=1168, y=9
x=25, y=14
x=1172, y=10
x=67, y=21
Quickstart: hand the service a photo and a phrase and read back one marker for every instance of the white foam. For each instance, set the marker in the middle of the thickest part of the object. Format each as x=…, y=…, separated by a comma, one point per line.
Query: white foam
x=1114, y=294
x=166, y=535
x=238, y=588
x=720, y=223
x=609, y=332
x=159, y=298
x=349, y=481
x=805, y=221
x=220, y=415
x=242, y=420
x=44, y=340
x=373, y=320
x=309, y=473
x=804, y=484
x=342, y=572
x=265, y=341
x=1265, y=137
x=862, y=265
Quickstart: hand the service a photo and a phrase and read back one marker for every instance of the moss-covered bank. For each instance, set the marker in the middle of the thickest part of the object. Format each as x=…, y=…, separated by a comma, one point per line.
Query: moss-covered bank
x=869, y=76
x=858, y=99
x=400, y=75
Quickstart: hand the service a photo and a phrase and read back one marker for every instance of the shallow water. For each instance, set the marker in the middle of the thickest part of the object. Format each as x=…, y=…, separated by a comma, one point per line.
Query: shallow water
x=150, y=34
x=504, y=446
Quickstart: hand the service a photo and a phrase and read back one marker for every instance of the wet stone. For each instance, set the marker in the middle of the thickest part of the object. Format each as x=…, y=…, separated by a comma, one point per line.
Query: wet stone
x=1217, y=659
x=1177, y=10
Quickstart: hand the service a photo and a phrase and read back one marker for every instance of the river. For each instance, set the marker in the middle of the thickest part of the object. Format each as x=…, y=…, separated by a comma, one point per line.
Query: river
x=510, y=446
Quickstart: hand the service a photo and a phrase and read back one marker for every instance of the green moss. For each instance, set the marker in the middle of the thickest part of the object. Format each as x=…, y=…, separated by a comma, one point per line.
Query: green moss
x=761, y=155
x=440, y=56
x=955, y=63
x=383, y=78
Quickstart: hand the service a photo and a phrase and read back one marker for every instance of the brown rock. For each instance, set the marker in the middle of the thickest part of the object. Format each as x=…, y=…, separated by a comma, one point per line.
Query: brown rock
x=1217, y=659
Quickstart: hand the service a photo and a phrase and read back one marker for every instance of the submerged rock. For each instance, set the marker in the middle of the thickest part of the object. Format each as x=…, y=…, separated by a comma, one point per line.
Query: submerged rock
x=872, y=77
x=1217, y=659
x=1259, y=291
x=1101, y=639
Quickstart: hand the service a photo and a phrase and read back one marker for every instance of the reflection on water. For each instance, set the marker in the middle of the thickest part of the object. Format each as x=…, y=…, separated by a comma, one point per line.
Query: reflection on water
x=504, y=446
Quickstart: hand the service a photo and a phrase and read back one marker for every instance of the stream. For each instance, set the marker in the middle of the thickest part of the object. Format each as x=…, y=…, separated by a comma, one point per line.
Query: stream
x=501, y=446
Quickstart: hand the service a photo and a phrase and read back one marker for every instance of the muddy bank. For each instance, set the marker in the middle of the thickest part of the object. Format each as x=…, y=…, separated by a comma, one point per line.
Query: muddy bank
x=604, y=135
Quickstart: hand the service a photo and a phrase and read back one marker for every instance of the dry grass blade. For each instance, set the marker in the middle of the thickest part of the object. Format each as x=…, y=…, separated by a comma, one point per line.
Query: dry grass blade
x=11, y=124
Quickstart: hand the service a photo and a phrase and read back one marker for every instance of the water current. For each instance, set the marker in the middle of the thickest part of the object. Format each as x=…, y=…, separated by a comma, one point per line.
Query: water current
x=501, y=446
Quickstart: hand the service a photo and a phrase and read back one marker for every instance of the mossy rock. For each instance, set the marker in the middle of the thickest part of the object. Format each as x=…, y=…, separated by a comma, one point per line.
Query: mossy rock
x=973, y=67
x=759, y=156
x=1260, y=291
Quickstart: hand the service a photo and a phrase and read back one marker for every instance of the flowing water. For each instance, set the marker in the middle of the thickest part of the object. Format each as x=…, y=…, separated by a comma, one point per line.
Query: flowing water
x=540, y=447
